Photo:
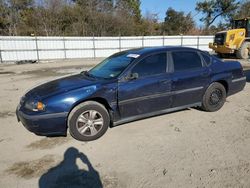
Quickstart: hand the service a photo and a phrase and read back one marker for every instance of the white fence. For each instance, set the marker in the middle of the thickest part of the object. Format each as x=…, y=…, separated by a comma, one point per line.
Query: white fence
x=45, y=48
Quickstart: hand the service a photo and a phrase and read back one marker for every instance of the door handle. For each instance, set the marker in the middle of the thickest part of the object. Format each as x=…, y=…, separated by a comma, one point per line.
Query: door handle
x=175, y=79
x=165, y=81
x=205, y=73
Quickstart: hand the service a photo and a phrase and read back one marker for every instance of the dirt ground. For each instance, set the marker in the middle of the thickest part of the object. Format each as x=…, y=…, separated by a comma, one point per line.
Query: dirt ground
x=189, y=148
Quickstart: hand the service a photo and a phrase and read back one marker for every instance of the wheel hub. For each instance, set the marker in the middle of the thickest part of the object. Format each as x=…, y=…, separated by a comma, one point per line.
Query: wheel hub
x=215, y=97
x=89, y=123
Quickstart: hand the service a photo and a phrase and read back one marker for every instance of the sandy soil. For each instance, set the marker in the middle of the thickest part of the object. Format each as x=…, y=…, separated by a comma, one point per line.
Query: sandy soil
x=189, y=148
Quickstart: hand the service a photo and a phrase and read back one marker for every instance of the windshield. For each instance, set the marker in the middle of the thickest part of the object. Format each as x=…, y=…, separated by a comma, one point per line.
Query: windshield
x=239, y=24
x=112, y=66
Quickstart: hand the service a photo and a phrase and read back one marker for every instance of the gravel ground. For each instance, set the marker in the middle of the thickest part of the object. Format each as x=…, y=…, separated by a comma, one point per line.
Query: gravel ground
x=189, y=148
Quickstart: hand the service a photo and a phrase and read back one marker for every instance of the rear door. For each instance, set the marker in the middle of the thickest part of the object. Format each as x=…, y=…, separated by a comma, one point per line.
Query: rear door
x=150, y=91
x=190, y=77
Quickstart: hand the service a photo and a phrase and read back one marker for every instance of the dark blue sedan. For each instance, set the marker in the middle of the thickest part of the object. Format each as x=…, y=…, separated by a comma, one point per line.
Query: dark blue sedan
x=128, y=86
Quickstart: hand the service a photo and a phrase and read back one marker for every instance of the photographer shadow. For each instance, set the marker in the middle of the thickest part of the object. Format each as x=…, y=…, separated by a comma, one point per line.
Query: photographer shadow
x=67, y=173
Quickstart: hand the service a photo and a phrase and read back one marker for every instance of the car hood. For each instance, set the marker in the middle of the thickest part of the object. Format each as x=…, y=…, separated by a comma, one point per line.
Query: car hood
x=61, y=85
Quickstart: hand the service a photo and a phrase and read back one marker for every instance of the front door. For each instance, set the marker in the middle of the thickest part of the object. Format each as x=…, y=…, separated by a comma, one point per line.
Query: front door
x=150, y=91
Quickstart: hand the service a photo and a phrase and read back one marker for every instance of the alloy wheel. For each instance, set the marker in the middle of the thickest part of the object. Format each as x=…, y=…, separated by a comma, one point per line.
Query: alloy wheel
x=89, y=123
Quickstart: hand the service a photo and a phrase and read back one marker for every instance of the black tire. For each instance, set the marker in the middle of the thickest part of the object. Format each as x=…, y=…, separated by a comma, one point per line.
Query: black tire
x=88, y=107
x=244, y=51
x=214, y=97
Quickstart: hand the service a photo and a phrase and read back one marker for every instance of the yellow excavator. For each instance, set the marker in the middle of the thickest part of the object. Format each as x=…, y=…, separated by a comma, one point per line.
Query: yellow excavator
x=234, y=41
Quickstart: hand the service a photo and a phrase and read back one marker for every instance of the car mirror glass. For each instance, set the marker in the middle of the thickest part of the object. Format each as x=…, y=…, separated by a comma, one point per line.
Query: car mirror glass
x=132, y=76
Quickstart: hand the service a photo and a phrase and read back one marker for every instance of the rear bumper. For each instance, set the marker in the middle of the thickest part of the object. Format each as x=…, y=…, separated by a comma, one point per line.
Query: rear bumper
x=221, y=49
x=237, y=85
x=45, y=125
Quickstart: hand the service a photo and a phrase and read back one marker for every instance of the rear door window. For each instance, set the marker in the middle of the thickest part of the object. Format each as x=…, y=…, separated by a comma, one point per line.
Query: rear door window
x=186, y=60
x=206, y=58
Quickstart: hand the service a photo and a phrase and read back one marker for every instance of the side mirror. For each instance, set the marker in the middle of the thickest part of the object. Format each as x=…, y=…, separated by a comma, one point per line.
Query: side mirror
x=132, y=76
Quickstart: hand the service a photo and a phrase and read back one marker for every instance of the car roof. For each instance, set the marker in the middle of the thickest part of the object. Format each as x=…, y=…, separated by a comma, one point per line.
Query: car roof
x=146, y=50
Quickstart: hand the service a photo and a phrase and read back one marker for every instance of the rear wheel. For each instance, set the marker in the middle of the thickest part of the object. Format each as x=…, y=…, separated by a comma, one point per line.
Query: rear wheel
x=88, y=121
x=214, y=97
x=244, y=51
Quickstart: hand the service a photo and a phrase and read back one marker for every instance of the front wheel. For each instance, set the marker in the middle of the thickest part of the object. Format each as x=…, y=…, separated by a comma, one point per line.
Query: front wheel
x=244, y=51
x=88, y=121
x=214, y=97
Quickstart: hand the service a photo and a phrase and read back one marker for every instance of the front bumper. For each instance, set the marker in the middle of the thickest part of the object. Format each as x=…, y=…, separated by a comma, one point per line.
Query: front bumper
x=46, y=124
x=221, y=48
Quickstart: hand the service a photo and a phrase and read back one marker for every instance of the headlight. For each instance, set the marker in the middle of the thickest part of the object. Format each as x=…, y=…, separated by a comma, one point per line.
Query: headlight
x=34, y=106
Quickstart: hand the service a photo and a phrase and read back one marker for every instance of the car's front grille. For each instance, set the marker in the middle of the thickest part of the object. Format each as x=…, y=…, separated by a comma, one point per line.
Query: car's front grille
x=220, y=38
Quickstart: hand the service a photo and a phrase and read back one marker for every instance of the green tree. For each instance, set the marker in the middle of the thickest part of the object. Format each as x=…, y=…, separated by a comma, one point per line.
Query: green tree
x=244, y=10
x=150, y=24
x=16, y=12
x=4, y=22
x=129, y=10
x=213, y=9
x=177, y=22
x=134, y=7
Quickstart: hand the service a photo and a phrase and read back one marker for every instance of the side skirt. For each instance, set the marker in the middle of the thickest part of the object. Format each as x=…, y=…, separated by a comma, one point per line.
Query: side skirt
x=147, y=115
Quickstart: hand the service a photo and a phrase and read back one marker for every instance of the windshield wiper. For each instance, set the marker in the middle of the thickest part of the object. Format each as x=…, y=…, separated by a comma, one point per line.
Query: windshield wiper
x=86, y=73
